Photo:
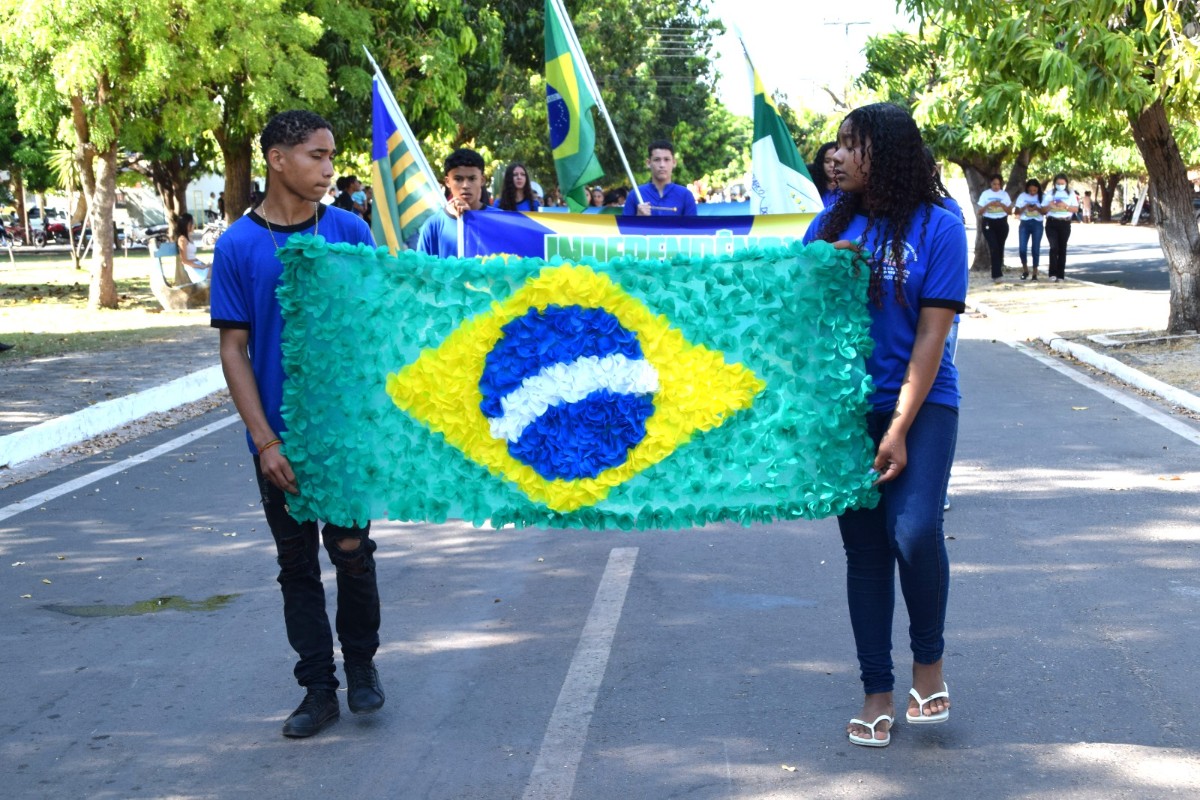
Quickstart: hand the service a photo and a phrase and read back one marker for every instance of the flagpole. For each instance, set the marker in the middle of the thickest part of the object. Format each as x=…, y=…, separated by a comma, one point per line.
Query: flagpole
x=401, y=121
x=577, y=54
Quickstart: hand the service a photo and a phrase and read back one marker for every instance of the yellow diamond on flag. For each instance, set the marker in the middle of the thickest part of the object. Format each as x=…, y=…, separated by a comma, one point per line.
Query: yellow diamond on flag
x=640, y=388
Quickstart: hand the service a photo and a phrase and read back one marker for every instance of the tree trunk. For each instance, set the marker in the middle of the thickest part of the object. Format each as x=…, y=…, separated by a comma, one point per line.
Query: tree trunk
x=103, y=291
x=1174, y=215
x=19, y=199
x=1107, y=186
x=236, y=151
x=978, y=173
x=171, y=178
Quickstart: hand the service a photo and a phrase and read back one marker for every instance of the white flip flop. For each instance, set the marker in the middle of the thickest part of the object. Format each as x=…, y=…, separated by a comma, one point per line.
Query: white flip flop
x=871, y=741
x=932, y=719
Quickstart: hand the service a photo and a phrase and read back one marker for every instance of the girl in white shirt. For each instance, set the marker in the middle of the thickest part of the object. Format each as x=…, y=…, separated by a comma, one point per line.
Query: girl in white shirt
x=994, y=206
x=1060, y=208
x=1029, y=208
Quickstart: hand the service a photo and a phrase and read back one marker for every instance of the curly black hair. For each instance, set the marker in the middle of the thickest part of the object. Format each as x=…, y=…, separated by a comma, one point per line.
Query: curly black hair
x=901, y=182
x=290, y=128
x=508, y=194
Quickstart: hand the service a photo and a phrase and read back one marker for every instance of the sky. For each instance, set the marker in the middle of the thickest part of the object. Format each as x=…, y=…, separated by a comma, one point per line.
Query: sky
x=797, y=48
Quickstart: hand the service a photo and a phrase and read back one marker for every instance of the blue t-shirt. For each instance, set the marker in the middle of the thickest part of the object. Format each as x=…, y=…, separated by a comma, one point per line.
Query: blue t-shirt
x=935, y=269
x=523, y=205
x=245, y=275
x=439, y=234
x=674, y=201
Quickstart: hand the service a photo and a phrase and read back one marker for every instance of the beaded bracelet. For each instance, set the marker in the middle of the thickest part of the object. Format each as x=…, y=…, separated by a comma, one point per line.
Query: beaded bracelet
x=269, y=445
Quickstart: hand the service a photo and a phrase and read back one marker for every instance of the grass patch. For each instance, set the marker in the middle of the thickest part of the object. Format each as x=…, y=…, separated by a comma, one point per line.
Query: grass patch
x=44, y=310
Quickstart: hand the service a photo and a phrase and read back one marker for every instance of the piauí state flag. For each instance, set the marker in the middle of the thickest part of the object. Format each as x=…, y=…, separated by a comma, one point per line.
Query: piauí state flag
x=569, y=105
x=629, y=394
x=780, y=182
x=406, y=191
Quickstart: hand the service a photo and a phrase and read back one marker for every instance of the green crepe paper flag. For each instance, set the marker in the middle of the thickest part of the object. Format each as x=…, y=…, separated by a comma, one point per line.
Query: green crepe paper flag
x=627, y=394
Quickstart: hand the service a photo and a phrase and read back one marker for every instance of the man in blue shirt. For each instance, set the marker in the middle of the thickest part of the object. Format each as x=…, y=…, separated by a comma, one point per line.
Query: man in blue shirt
x=464, y=180
x=660, y=197
x=298, y=149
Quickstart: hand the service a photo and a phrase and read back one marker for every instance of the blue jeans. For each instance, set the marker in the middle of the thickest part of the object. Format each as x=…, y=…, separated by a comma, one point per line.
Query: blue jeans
x=905, y=529
x=1030, y=228
x=304, y=595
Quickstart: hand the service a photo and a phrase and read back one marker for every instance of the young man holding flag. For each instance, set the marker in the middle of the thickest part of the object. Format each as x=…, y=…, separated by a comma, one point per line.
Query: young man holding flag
x=660, y=197
x=464, y=181
x=298, y=148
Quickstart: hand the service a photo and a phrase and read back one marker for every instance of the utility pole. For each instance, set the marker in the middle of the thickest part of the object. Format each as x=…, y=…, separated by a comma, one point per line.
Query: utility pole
x=846, y=25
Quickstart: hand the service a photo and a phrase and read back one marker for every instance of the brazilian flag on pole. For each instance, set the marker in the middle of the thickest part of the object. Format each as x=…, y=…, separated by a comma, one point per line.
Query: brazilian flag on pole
x=406, y=190
x=569, y=101
x=780, y=181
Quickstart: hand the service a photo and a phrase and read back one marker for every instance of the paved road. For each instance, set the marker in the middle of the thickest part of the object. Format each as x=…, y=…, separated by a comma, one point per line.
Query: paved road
x=720, y=656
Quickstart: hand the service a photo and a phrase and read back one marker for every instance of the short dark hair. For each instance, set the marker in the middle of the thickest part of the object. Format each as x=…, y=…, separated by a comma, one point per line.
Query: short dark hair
x=462, y=157
x=997, y=177
x=290, y=128
x=660, y=144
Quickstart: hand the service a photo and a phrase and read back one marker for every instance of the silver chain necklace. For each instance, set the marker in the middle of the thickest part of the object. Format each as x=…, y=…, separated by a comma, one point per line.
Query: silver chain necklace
x=262, y=208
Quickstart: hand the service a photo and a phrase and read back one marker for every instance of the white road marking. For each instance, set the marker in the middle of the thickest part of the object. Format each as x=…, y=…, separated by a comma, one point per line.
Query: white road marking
x=1137, y=406
x=38, y=499
x=553, y=776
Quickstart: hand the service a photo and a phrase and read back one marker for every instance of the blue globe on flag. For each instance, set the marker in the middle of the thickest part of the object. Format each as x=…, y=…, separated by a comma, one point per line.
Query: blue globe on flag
x=569, y=389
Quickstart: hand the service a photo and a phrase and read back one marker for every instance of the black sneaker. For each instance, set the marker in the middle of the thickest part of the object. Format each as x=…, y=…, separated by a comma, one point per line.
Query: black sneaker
x=364, y=694
x=319, y=709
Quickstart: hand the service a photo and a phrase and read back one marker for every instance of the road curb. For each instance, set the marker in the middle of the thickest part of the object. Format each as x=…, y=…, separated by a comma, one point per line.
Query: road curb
x=1060, y=344
x=82, y=425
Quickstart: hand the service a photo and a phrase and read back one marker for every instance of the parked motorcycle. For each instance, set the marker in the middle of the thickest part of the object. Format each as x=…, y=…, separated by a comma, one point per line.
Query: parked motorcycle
x=15, y=231
x=1146, y=217
x=212, y=231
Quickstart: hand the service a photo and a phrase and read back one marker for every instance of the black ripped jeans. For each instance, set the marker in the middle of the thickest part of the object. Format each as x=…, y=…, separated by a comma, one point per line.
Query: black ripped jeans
x=304, y=595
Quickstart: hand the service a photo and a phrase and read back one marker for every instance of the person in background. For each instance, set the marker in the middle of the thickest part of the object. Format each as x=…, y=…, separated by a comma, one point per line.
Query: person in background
x=1029, y=210
x=347, y=185
x=994, y=206
x=821, y=170
x=615, y=198
x=890, y=212
x=596, y=197
x=1059, y=210
x=517, y=193
x=221, y=205
x=185, y=227
x=463, y=171
x=660, y=197
x=1085, y=207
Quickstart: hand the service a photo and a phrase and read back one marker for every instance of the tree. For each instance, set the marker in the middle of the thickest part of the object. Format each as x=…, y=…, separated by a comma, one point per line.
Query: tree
x=655, y=78
x=981, y=124
x=1138, y=60
x=104, y=60
x=23, y=156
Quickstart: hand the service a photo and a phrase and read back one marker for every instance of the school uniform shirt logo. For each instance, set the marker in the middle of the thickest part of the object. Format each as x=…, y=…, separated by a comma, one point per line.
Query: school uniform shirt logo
x=882, y=255
x=570, y=387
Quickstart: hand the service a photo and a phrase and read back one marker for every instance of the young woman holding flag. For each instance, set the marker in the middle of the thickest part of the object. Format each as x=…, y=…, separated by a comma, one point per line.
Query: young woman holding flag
x=891, y=212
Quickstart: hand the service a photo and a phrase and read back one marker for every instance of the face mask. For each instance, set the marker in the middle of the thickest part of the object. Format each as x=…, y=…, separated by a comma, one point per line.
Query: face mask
x=1060, y=186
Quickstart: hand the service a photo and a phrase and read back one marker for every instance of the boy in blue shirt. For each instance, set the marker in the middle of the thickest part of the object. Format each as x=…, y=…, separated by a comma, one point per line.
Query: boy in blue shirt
x=298, y=148
x=464, y=180
x=660, y=197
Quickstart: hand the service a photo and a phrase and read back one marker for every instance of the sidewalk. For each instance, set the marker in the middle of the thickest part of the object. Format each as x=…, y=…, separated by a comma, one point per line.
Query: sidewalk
x=49, y=403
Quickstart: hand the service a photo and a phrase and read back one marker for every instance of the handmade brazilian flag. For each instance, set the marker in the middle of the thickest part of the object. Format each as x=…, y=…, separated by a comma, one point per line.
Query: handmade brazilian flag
x=633, y=393
x=406, y=191
x=569, y=104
